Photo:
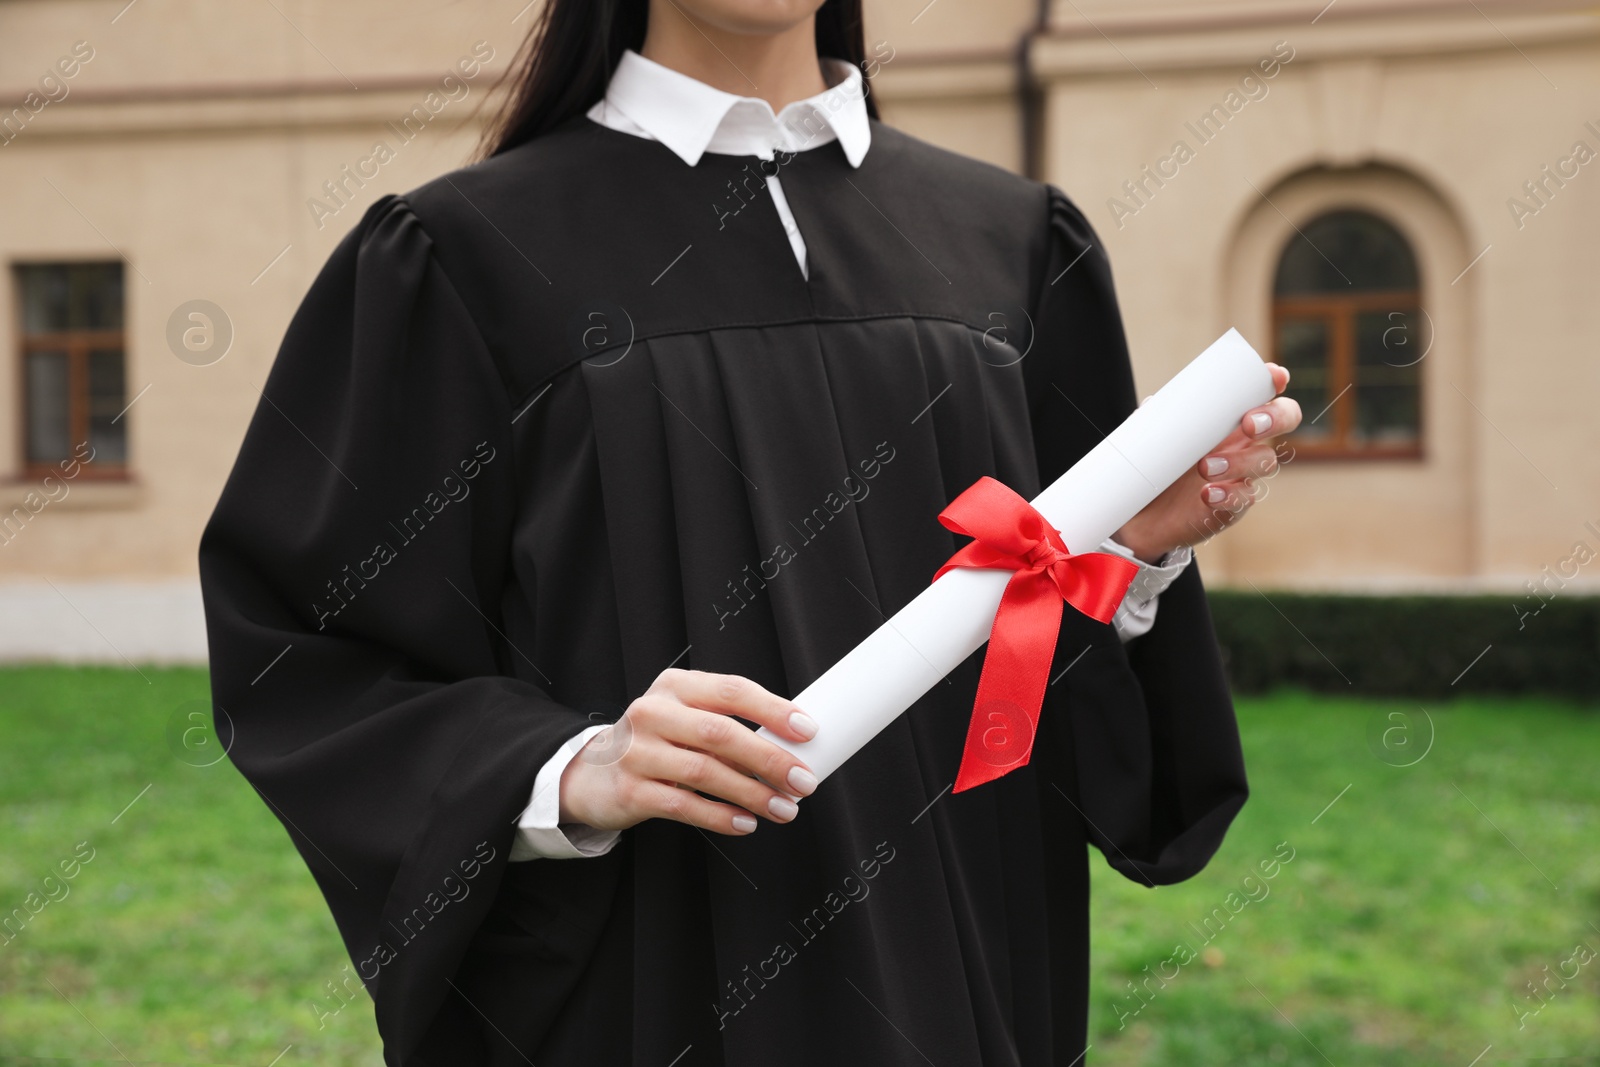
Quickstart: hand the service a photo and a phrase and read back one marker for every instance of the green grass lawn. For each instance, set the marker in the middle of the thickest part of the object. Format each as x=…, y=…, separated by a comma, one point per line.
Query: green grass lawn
x=195, y=934
x=1414, y=912
x=1404, y=930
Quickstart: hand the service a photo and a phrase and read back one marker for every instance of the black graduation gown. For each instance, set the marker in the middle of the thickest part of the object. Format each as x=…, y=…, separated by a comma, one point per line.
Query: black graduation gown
x=559, y=420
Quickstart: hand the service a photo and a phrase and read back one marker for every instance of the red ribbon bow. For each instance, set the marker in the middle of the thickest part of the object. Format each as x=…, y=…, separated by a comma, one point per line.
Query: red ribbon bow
x=1010, y=535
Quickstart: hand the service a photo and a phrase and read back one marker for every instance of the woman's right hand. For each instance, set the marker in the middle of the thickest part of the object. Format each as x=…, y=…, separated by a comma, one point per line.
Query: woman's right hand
x=680, y=737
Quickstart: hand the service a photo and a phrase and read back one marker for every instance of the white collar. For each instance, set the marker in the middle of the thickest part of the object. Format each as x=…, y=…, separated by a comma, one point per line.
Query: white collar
x=692, y=118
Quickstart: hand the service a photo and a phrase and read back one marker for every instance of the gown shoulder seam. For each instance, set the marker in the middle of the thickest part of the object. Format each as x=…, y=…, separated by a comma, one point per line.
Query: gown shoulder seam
x=401, y=202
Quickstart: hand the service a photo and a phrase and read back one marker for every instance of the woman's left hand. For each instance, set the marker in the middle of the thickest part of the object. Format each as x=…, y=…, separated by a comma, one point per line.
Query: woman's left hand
x=1220, y=488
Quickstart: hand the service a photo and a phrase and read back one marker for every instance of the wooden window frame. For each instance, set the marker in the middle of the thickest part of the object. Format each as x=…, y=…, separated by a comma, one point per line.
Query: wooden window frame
x=77, y=344
x=1338, y=312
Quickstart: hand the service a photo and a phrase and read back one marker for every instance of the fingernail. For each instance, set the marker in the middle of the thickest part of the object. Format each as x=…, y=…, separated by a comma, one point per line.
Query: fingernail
x=1214, y=494
x=1215, y=465
x=745, y=824
x=802, y=781
x=803, y=724
x=1261, y=421
x=783, y=809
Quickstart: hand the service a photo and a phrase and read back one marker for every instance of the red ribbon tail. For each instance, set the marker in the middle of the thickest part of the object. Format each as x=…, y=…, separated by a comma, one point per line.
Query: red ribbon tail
x=1009, y=534
x=1016, y=669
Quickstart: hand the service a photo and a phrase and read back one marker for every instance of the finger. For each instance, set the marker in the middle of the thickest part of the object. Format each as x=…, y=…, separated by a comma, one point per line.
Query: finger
x=1291, y=414
x=1280, y=377
x=728, y=739
x=708, y=774
x=1247, y=459
x=1220, y=462
x=1256, y=461
x=1228, y=499
x=1277, y=416
x=662, y=801
x=732, y=694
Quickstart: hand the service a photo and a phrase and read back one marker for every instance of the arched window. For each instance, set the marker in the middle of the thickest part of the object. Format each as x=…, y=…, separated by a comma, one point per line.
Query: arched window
x=1347, y=322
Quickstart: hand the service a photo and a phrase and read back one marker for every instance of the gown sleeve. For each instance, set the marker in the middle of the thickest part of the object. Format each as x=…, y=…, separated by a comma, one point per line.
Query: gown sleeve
x=353, y=572
x=1140, y=739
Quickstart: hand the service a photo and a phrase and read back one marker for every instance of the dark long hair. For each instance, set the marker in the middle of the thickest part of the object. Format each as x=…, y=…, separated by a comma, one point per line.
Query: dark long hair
x=562, y=69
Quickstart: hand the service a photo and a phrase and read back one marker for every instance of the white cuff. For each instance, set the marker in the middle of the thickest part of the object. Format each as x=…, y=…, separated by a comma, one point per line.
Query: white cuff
x=540, y=834
x=1137, y=612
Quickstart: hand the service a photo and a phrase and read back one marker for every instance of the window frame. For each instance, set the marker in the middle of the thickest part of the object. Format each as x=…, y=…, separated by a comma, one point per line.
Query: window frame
x=77, y=345
x=1338, y=312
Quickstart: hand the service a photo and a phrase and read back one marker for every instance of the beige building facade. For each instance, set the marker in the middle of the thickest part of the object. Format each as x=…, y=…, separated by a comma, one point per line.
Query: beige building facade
x=1439, y=157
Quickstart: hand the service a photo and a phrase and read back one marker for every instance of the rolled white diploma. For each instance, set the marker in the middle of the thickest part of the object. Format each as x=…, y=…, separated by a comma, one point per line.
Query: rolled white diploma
x=880, y=678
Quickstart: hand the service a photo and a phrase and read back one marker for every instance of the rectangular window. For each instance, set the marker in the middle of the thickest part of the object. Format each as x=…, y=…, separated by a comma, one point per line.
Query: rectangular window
x=73, y=377
x=1353, y=370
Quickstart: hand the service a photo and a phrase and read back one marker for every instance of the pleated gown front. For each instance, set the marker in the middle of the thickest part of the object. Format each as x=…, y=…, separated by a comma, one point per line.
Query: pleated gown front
x=557, y=421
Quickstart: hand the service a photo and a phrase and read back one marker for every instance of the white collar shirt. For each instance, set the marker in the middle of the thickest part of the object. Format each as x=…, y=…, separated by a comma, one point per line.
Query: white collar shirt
x=691, y=118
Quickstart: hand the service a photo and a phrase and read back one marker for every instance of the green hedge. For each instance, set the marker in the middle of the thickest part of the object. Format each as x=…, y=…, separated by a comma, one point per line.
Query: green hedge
x=1409, y=645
